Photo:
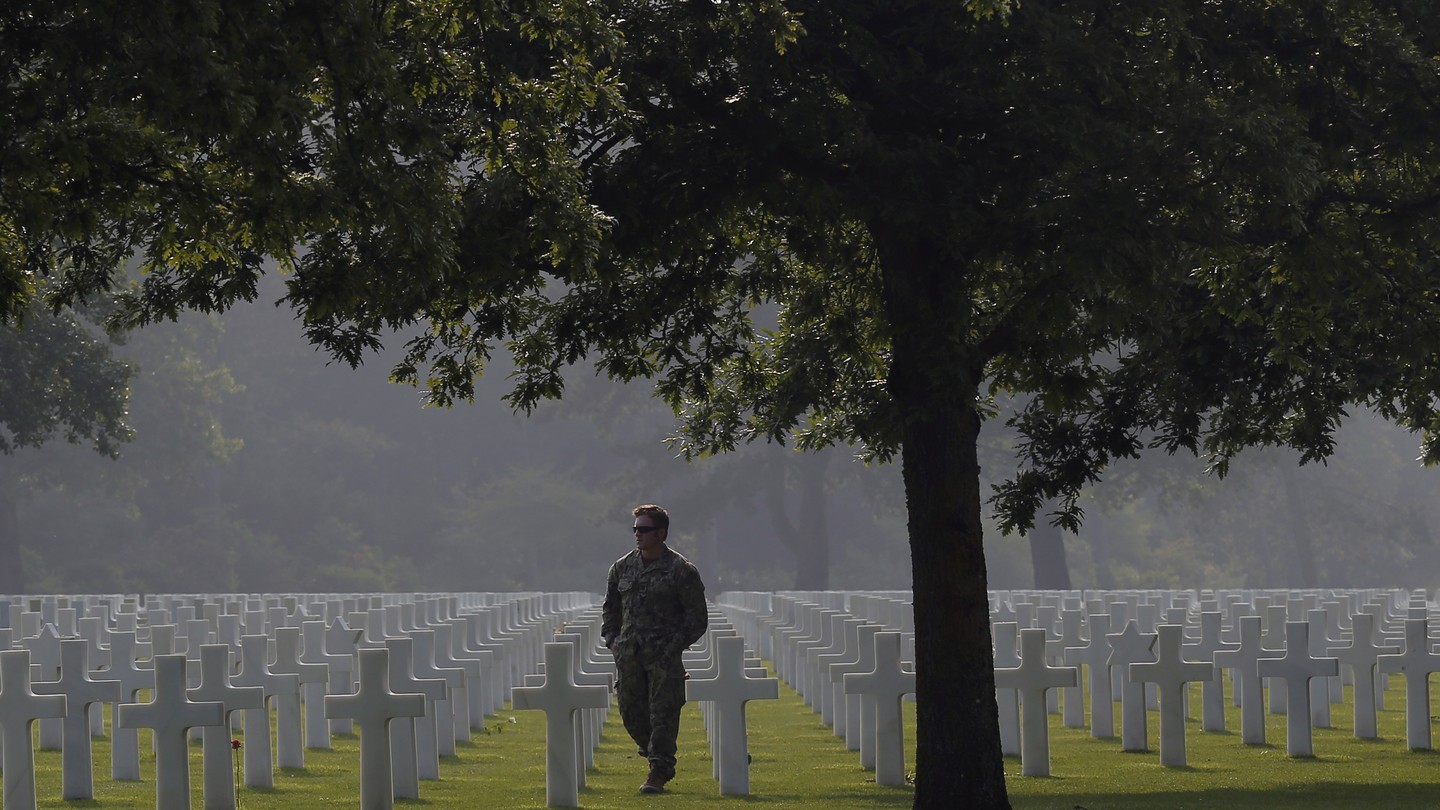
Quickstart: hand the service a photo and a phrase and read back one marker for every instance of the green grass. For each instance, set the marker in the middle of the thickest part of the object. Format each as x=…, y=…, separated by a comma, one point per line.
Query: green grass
x=798, y=763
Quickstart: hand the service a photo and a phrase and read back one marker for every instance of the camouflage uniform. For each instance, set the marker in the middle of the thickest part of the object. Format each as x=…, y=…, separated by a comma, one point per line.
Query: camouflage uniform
x=653, y=611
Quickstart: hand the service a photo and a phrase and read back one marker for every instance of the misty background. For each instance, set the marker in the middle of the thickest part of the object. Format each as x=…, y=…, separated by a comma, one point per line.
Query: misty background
x=259, y=466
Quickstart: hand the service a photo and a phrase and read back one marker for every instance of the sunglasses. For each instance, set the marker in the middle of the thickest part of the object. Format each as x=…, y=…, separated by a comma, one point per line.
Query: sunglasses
x=643, y=529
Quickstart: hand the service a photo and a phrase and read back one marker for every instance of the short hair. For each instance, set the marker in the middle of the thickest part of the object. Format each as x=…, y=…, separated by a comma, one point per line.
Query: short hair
x=655, y=513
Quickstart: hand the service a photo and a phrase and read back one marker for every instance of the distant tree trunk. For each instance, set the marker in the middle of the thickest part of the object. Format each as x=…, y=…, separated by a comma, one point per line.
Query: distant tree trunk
x=1104, y=563
x=12, y=579
x=808, y=534
x=1300, y=531
x=1047, y=557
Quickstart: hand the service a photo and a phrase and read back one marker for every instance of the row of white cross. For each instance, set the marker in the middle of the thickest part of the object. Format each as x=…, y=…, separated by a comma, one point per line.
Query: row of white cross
x=1301, y=644
x=460, y=654
x=404, y=665
x=843, y=653
x=846, y=653
x=1139, y=648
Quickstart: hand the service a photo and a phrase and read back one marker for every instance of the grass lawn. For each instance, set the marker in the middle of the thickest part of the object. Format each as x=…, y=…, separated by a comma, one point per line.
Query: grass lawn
x=798, y=763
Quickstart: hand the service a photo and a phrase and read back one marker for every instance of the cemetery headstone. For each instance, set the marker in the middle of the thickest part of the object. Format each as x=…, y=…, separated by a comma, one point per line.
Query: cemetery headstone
x=1032, y=679
x=217, y=754
x=1127, y=647
x=1296, y=669
x=1416, y=663
x=880, y=719
x=20, y=707
x=729, y=691
x=171, y=715
x=80, y=693
x=560, y=698
x=1172, y=675
x=372, y=708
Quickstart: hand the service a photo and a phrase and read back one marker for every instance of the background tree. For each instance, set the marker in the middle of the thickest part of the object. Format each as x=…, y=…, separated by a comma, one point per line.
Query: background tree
x=57, y=378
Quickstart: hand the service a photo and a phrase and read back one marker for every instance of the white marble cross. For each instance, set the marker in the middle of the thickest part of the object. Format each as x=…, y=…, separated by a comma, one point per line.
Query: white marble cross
x=341, y=639
x=865, y=638
x=460, y=699
x=729, y=691
x=19, y=709
x=44, y=649
x=1273, y=638
x=1094, y=654
x=1319, y=687
x=1130, y=646
x=591, y=719
x=218, y=755
x=1212, y=691
x=255, y=671
x=80, y=692
x=1072, y=697
x=1415, y=663
x=560, y=698
x=96, y=633
x=404, y=750
x=289, y=722
x=1361, y=656
x=484, y=692
x=880, y=718
x=1006, y=639
x=1171, y=674
x=171, y=715
x=373, y=707
x=1296, y=669
x=434, y=733
x=1244, y=662
x=124, y=742
x=312, y=695
x=1032, y=679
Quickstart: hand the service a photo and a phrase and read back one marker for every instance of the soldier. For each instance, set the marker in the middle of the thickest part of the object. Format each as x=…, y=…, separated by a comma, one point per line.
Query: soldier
x=654, y=609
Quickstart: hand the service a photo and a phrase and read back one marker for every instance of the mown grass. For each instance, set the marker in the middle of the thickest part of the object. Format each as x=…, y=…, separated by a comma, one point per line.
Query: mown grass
x=798, y=763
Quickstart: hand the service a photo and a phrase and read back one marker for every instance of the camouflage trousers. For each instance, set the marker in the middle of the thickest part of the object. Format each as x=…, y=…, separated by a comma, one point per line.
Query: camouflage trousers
x=651, y=694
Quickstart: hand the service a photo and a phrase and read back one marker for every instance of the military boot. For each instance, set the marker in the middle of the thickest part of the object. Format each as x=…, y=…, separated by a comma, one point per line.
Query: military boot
x=655, y=782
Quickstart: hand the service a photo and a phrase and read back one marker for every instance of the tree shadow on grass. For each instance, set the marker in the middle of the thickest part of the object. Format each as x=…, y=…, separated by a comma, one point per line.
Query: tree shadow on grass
x=1327, y=795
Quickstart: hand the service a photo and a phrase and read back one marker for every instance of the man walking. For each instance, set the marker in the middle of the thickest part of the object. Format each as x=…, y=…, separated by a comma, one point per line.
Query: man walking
x=654, y=609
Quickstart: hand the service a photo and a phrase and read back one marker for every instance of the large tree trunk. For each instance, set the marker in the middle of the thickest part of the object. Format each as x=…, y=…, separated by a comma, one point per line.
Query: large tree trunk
x=1047, y=557
x=12, y=580
x=934, y=382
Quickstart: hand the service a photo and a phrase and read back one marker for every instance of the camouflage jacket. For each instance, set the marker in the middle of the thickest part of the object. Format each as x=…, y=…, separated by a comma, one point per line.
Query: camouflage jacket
x=654, y=608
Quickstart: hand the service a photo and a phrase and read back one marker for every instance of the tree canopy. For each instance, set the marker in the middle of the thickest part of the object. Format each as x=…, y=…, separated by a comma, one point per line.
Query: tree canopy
x=1194, y=225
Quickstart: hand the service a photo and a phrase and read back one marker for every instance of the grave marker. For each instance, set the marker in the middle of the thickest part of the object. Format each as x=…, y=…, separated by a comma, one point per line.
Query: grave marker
x=729, y=691
x=560, y=698
x=1249, y=687
x=1415, y=663
x=289, y=742
x=1295, y=670
x=19, y=709
x=1171, y=674
x=404, y=750
x=255, y=671
x=80, y=692
x=1032, y=680
x=1095, y=656
x=880, y=718
x=373, y=707
x=171, y=715
x=1130, y=646
x=1362, y=656
x=218, y=755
